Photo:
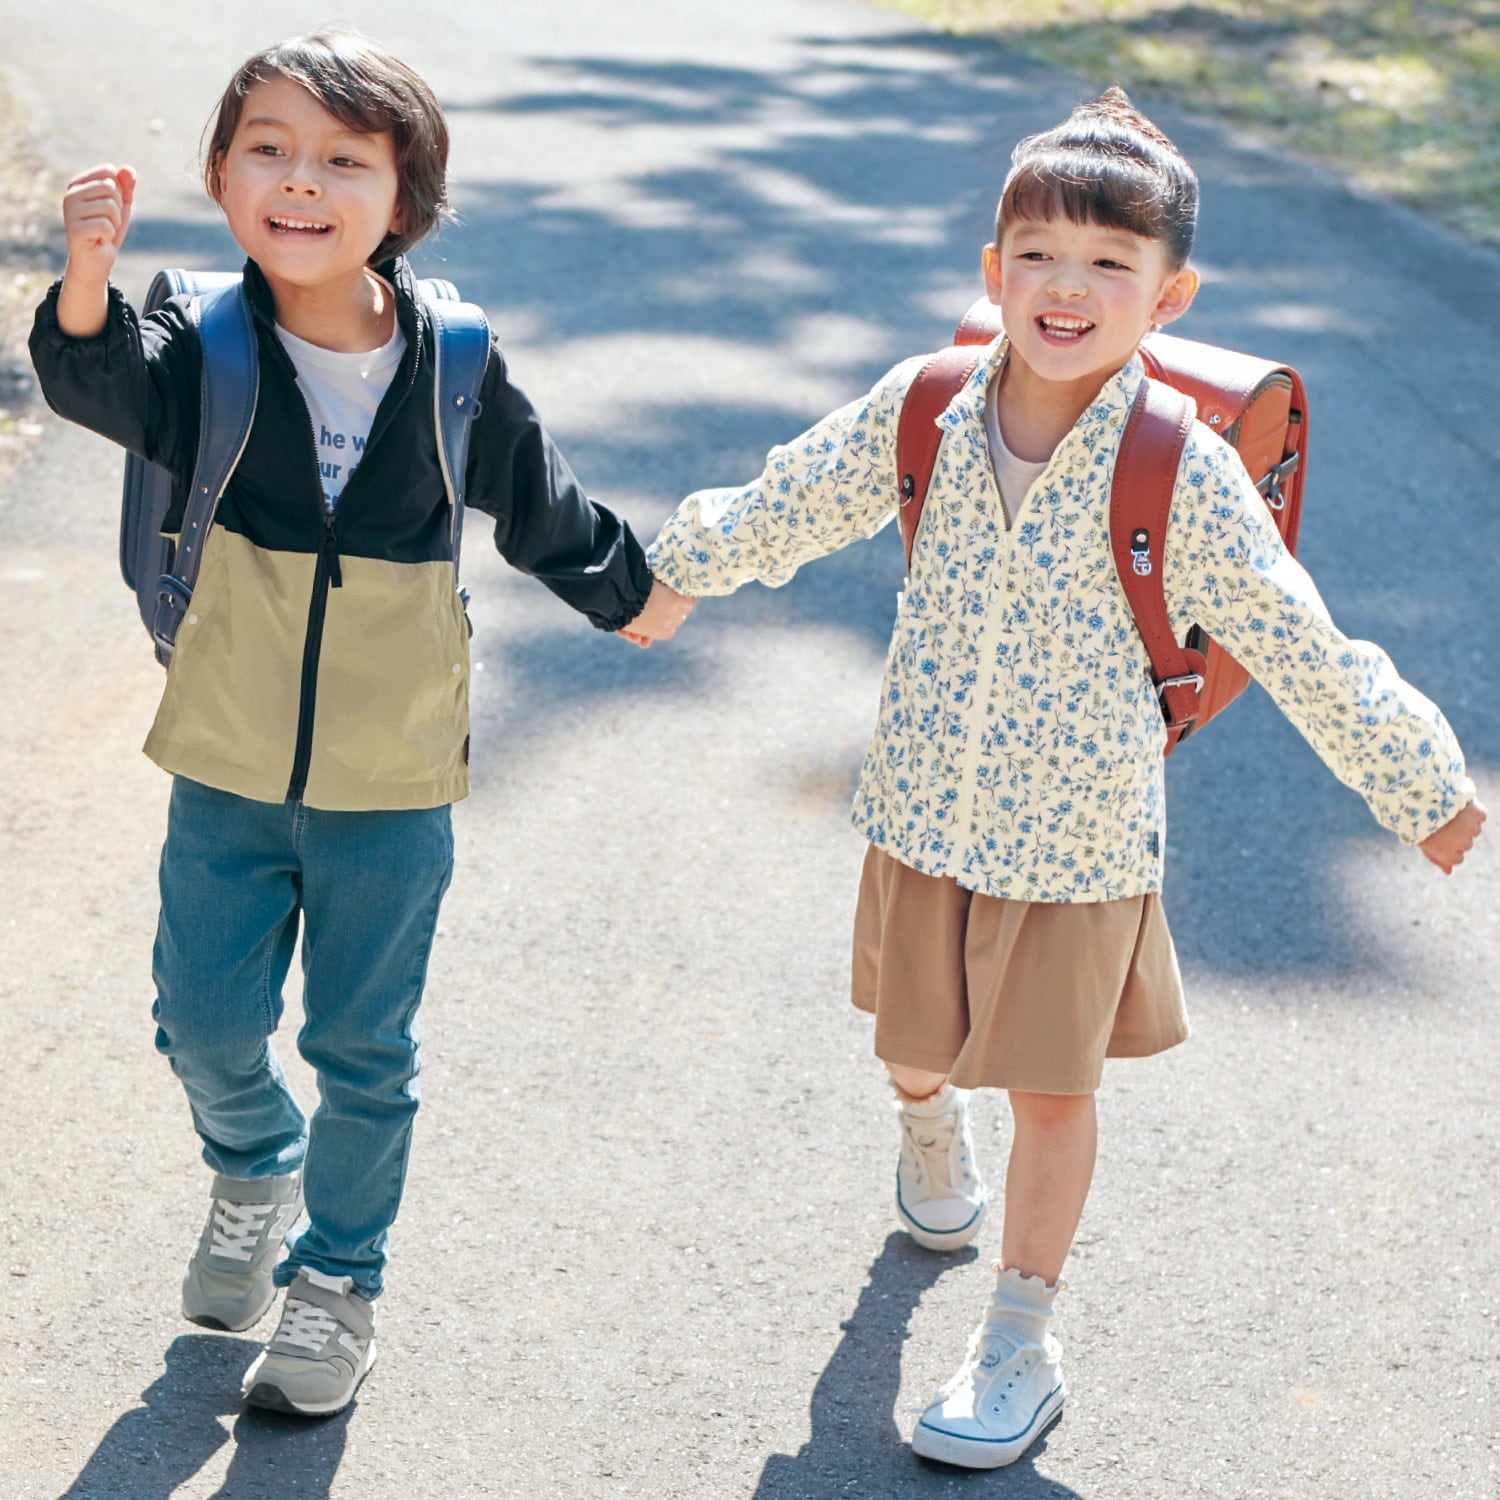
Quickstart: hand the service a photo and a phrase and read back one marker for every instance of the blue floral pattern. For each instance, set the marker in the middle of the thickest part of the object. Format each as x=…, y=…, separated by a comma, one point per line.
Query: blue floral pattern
x=1019, y=743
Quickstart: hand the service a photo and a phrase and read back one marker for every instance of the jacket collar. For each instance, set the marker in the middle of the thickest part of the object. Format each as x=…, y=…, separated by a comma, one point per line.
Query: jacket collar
x=1112, y=403
x=397, y=271
x=410, y=318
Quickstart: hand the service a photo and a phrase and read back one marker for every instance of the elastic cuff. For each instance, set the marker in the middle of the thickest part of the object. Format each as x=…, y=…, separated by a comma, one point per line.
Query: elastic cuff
x=47, y=329
x=626, y=613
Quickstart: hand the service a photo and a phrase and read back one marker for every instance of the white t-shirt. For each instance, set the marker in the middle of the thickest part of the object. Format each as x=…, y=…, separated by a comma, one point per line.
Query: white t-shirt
x=1014, y=476
x=342, y=392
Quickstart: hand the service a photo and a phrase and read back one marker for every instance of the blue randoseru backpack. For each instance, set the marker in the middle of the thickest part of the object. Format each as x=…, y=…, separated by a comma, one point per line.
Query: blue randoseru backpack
x=162, y=572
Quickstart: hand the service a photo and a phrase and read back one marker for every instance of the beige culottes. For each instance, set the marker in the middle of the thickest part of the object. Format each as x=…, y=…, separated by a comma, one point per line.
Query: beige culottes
x=1027, y=995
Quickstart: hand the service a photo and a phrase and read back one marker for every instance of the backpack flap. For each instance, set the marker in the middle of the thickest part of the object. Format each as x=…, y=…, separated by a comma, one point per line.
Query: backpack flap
x=981, y=324
x=1257, y=406
x=1260, y=409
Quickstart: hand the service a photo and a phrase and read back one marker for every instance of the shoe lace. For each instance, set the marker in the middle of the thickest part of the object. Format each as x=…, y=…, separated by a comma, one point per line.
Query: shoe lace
x=992, y=1346
x=932, y=1142
x=237, y=1226
x=305, y=1325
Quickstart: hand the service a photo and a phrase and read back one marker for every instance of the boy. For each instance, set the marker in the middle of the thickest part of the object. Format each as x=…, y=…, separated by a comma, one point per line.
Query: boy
x=315, y=713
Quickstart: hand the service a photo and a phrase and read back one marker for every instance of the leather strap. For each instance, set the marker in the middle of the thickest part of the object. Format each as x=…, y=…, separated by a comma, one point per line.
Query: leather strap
x=1140, y=505
x=918, y=436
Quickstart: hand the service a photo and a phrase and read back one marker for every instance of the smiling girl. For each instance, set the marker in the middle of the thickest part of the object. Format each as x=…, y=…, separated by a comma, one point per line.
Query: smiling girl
x=1009, y=931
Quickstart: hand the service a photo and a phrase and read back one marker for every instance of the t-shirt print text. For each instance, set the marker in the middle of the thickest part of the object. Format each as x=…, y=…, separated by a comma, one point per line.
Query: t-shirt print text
x=335, y=450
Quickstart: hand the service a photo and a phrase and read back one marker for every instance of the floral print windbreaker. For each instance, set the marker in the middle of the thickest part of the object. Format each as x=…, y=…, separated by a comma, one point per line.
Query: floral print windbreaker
x=1019, y=742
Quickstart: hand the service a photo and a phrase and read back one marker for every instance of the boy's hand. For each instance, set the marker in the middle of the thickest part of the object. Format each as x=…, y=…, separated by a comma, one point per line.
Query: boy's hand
x=96, y=214
x=665, y=609
x=1446, y=848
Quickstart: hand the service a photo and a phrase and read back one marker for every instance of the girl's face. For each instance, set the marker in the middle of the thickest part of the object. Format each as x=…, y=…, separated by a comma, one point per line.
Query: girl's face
x=306, y=197
x=1076, y=299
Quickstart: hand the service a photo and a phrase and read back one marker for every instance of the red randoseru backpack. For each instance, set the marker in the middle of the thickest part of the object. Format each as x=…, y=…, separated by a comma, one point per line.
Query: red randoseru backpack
x=1257, y=406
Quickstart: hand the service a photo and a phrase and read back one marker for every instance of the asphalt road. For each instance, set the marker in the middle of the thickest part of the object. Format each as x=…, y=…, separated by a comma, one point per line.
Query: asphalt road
x=648, y=1247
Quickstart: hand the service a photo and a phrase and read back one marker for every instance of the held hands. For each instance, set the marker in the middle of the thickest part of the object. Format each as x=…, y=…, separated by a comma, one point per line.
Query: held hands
x=1446, y=848
x=96, y=214
x=665, y=609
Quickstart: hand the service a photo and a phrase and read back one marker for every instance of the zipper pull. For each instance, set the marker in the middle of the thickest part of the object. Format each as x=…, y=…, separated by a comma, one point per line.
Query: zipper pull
x=331, y=557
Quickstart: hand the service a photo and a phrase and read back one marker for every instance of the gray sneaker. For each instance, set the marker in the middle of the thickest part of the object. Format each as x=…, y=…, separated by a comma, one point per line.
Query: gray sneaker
x=228, y=1281
x=323, y=1347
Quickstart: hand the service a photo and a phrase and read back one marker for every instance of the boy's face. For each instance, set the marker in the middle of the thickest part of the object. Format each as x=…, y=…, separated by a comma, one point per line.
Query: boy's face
x=306, y=197
x=1076, y=299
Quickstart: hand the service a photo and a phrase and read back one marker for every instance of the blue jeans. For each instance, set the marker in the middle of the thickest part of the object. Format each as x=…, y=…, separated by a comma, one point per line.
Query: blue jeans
x=236, y=876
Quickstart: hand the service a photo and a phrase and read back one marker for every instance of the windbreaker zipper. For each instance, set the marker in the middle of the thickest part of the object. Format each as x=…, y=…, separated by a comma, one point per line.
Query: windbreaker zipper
x=327, y=575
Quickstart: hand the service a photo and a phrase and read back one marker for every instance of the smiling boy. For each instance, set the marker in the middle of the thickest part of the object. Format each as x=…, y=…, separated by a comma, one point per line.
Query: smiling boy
x=315, y=712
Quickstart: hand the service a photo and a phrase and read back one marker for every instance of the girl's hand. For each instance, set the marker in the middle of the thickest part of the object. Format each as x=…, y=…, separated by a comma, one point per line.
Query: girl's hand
x=665, y=609
x=96, y=214
x=1446, y=848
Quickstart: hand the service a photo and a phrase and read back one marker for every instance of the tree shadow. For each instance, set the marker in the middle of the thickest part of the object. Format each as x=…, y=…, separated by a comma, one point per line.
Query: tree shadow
x=154, y=1449
x=859, y=206
x=854, y=1447
x=793, y=231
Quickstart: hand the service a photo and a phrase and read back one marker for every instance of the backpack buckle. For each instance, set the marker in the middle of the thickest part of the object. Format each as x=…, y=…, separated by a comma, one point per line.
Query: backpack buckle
x=1270, y=485
x=1179, y=725
x=172, y=600
x=1188, y=679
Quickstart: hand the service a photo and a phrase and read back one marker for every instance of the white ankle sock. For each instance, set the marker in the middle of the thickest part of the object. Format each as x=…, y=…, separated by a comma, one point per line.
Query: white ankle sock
x=1022, y=1305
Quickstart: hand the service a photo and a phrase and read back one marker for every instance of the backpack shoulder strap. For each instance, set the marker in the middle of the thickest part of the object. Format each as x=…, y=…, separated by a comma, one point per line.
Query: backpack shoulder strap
x=918, y=436
x=462, y=336
x=1140, y=505
x=228, y=389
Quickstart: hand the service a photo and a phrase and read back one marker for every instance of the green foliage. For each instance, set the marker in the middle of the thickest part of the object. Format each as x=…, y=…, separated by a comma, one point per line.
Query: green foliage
x=1402, y=97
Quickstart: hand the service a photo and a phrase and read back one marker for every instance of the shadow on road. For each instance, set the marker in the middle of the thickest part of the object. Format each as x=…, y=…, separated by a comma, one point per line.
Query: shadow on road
x=154, y=1449
x=855, y=1448
x=826, y=224
x=831, y=219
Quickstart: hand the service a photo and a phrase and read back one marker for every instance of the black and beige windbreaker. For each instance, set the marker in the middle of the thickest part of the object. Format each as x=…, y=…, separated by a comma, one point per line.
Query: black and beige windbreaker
x=326, y=659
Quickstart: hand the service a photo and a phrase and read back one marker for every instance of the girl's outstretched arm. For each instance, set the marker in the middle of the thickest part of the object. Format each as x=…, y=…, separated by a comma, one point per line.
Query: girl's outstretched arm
x=1228, y=571
x=834, y=485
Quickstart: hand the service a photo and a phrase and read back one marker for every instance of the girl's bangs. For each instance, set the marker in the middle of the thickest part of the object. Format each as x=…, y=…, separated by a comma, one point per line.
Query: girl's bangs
x=1087, y=189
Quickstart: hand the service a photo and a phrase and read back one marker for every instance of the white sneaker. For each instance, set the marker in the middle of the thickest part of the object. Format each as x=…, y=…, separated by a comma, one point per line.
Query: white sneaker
x=1009, y=1389
x=940, y=1199
x=228, y=1281
x=322, y=1348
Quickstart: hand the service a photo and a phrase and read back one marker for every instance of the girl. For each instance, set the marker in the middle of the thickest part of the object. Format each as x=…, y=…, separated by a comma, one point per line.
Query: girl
x=1008, y=932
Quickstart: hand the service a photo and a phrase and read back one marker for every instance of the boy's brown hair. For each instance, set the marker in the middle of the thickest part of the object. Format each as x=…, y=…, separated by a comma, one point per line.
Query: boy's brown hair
x=368, y=90
x=1105, y=164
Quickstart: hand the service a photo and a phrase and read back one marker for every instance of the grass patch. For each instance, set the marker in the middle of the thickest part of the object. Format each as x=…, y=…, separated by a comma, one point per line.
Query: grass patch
x=30, y=251
x=1401, y=96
